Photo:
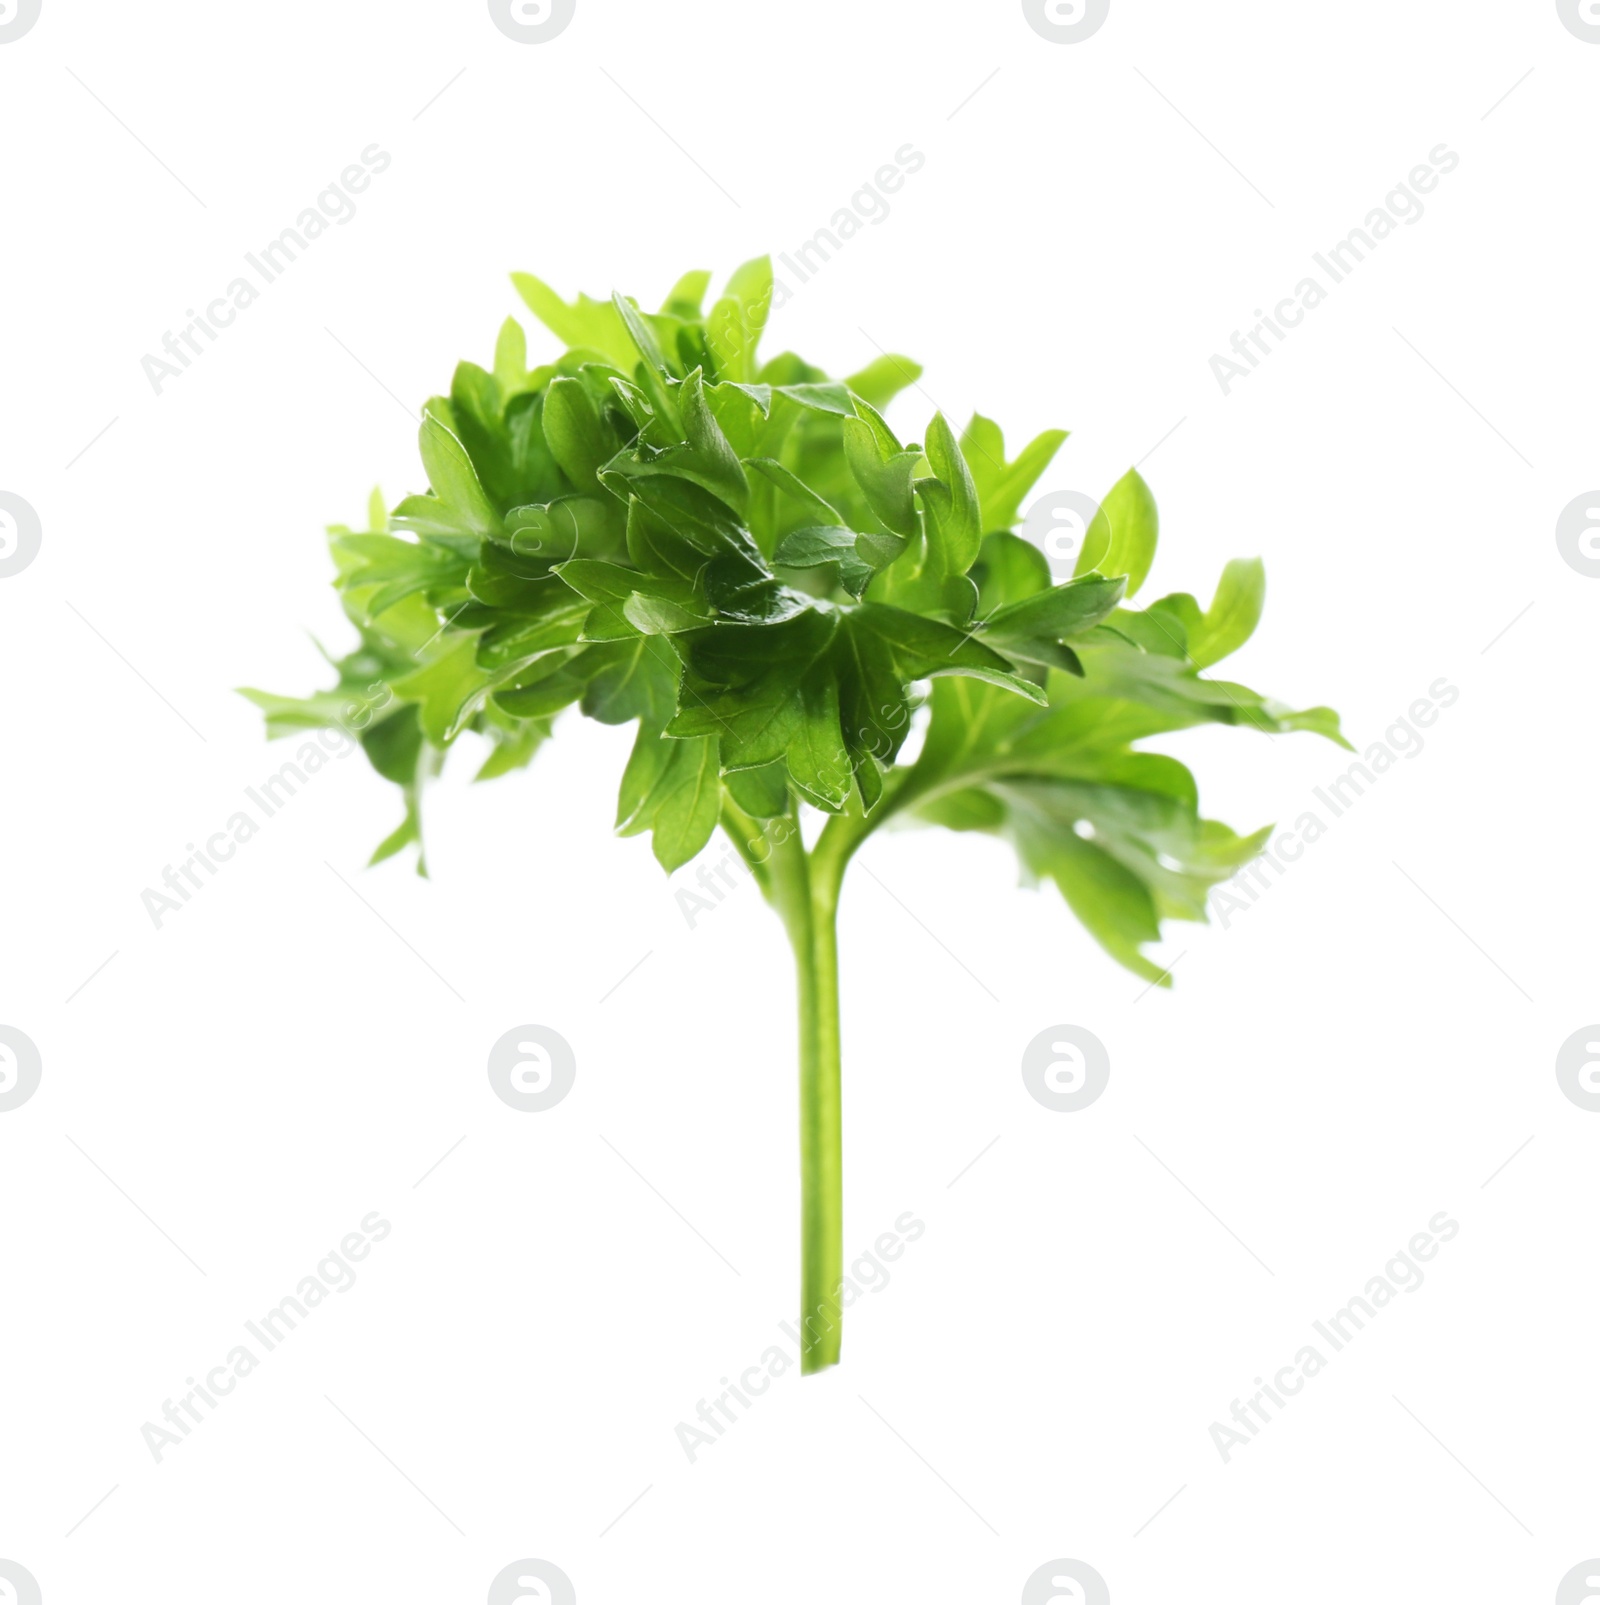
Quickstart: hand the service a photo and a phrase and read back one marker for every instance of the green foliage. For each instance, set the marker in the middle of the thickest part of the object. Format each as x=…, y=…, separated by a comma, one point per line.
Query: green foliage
x=742, y=558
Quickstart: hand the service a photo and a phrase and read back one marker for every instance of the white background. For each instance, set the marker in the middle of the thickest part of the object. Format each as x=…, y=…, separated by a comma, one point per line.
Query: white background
x=1359, y=1051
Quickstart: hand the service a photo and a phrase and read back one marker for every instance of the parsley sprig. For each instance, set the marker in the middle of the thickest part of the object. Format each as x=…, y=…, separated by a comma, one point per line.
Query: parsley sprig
x=742, y=559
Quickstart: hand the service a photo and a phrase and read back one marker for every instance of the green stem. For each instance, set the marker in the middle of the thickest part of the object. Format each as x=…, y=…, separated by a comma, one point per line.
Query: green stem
x=804, y=888
x=807, y=904
x=748, y=839
x=821, y=1141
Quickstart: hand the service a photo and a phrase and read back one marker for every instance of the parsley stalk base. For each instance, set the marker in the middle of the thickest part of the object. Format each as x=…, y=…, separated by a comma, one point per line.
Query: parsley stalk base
x=806, y=897
x=821, y=1144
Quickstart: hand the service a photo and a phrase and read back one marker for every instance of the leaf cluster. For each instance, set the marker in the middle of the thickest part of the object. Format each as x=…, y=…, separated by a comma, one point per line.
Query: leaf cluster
x=741, y=558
